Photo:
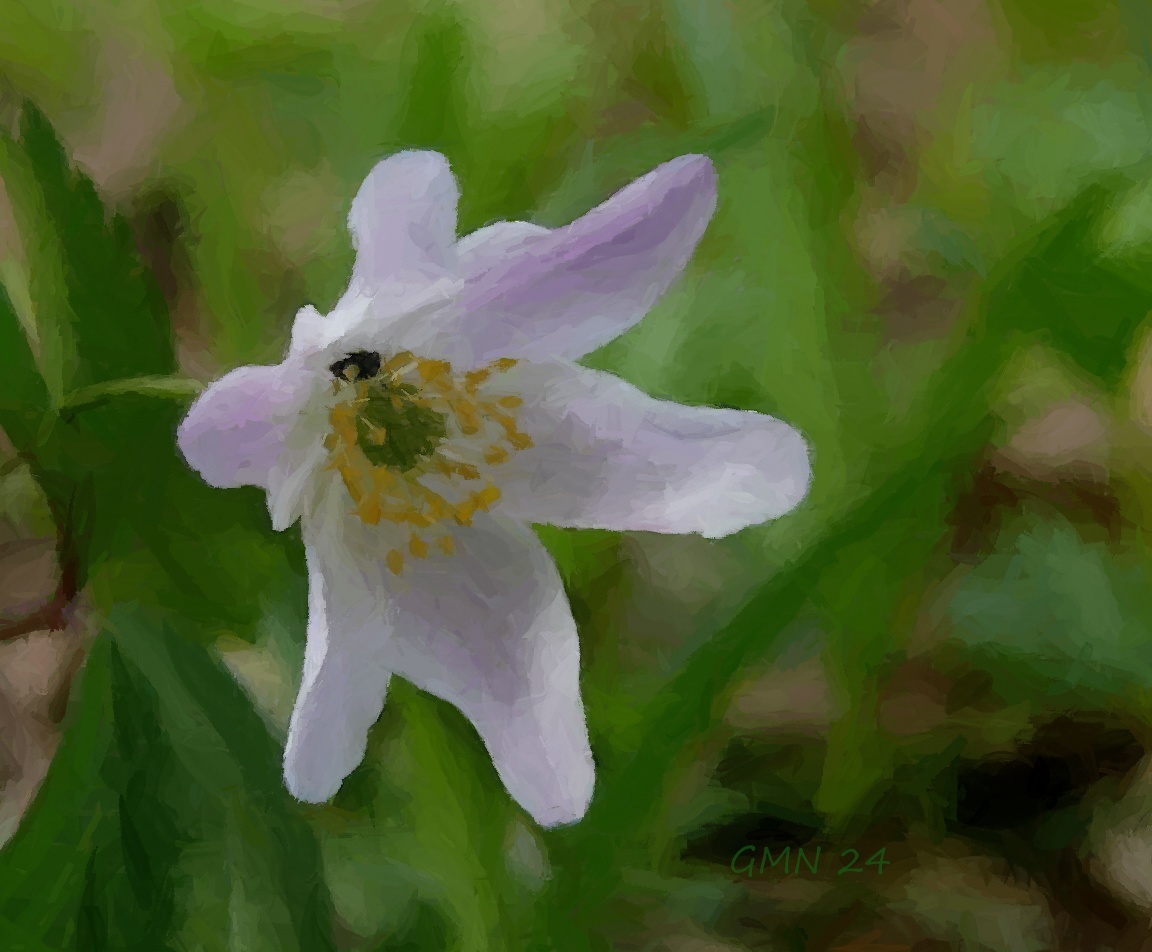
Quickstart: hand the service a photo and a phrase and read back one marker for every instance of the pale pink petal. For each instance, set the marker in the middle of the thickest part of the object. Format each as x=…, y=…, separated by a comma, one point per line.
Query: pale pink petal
x=489, y=630
x=608, y=456
x=567, y=292
x=403, y=221
x=235, y=430
x=491, y=245
x=403, y=224
x=345, y=672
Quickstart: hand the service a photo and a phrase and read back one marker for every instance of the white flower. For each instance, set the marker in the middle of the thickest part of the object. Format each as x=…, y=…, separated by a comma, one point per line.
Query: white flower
x=421, y=426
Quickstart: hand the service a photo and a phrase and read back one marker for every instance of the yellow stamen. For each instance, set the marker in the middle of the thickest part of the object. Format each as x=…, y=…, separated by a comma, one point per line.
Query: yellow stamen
x=368, y=509
x=495, y=455
x=397, y=361
x=473, y=378
x=432, y=369
x=485, y=497
x=379, y=493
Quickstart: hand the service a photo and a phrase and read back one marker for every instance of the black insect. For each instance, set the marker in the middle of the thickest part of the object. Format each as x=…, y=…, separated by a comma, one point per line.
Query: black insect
x=366, y=362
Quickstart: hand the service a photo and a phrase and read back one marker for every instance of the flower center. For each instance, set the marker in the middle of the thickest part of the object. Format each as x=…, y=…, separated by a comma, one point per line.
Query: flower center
x=396, y=430
x=407, y=432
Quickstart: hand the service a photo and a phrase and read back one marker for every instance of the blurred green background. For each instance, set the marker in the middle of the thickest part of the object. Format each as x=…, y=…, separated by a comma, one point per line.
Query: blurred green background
x=931, y=254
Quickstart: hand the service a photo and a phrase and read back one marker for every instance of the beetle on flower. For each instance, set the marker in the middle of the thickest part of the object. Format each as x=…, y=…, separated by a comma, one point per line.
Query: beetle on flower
x=420, y=427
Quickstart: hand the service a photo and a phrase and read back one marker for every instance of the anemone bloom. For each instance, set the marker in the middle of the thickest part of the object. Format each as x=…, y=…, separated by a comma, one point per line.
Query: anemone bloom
x=419, y=428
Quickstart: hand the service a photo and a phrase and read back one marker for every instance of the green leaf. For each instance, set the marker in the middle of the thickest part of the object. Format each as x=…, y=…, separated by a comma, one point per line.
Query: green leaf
x=163, y=822
x=211, y=554
x=268, y=864
x=44, y=869
x=97, y=308
x=23, y=395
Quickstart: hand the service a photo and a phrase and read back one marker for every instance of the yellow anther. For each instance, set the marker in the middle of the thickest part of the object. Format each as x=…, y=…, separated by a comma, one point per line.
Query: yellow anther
x=447, y=546
x=500, y=417
x=467, y=416
x=369, y=510
x=463, y=470
x=485, y=497
x=510, y=402
x=398, y=363
x=432, y=369
x=473, y=378
x=495, y=455
x=504, y=363
x=418, y=547
x=395, y=561
x=520, y=441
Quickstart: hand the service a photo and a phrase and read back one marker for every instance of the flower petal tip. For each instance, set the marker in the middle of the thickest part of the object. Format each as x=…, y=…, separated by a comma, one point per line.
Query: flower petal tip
x=419, y=173
x=696, y=176
x=566, y=811
x=403, y=222
x=695, y=167
x=773, y=480
x=309, y=789
x=796, y=454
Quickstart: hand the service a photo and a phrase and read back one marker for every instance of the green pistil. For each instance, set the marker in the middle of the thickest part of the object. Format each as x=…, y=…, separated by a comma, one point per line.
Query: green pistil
x=411, y=431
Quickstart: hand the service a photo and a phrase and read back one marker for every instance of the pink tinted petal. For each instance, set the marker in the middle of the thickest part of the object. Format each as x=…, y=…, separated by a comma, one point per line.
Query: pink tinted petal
x=345, y=674
x=235, y=430
x=489, y=630
x=566, y=293
x=490, y=246
x=608, y=456
x=403, y=221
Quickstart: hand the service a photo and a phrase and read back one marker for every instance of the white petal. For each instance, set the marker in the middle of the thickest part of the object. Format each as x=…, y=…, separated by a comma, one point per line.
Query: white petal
x=566, y=292
x=403, y=221
x=345, y=670
x=608, y=456
x=403, y=224
x=235, y=431
x=489, y=630
x=490, y=246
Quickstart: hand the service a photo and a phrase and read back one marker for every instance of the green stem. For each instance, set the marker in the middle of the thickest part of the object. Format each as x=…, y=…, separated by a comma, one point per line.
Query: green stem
x=178, y=388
